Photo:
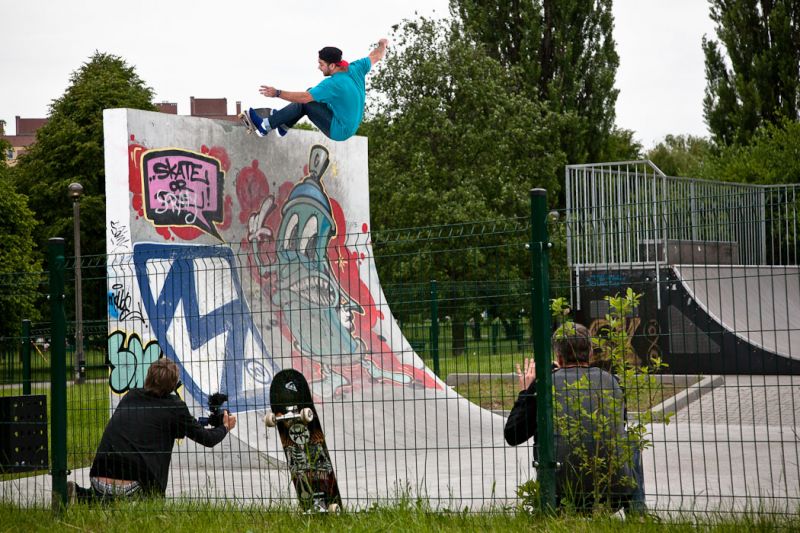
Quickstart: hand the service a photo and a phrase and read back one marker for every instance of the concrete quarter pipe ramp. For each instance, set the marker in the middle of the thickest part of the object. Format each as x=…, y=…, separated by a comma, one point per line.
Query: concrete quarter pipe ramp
x=237, y=256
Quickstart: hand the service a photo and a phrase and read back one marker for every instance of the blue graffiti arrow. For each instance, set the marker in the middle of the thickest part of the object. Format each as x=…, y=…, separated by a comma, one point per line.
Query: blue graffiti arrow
x=182, y=266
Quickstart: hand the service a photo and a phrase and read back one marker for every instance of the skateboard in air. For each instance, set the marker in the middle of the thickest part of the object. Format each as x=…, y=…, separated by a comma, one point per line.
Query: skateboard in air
x=303, y=442
x=262, y=112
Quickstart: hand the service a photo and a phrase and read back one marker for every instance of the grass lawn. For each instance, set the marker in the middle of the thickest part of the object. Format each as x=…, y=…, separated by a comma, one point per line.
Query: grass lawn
x=647, y=397
x=157, y=516
x=482, y=363
x=491, y=394
x=11, y=366
x=87, y=416
x=491, y=343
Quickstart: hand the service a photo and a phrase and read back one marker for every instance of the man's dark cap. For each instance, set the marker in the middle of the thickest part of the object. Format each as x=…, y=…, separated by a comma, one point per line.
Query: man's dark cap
x=330, y=54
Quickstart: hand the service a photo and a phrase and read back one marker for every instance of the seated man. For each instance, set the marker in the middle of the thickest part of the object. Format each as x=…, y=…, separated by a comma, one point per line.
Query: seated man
x=597, y=460
x=136, y=448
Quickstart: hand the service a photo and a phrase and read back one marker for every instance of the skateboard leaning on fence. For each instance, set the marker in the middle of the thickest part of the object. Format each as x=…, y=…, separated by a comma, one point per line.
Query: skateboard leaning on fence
x=303, y=442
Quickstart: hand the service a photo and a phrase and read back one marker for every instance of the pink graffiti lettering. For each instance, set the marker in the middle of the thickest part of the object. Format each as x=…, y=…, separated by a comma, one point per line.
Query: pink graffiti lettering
x=183, y=188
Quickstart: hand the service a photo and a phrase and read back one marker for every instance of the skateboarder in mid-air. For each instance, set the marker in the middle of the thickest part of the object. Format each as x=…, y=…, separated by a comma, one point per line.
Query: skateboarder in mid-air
x=335, y=105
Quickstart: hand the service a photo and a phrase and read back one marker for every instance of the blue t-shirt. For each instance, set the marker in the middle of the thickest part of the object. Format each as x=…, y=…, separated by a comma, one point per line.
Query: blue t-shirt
x=344, y=93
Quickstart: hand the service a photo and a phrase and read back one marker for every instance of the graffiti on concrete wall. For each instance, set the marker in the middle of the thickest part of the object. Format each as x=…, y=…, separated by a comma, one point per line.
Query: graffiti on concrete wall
x=313, y=279
x=121, y=305
x=197, y=313
x=653, y=333
x=180, y=191
x=119, y=236
x=183, y=188
x=130, y=359
x=599, y=328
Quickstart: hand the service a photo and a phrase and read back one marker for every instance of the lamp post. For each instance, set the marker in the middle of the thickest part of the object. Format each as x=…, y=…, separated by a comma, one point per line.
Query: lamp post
x=75, y=192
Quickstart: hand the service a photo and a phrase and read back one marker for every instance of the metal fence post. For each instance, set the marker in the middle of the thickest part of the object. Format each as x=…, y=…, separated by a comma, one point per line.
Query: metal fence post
x=542, y=325
x=494, y=335
x=435, y=327
x=25, y=353
x=58, y=374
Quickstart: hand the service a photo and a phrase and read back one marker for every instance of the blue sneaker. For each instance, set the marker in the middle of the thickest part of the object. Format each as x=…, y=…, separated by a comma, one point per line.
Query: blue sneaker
x=261, y=126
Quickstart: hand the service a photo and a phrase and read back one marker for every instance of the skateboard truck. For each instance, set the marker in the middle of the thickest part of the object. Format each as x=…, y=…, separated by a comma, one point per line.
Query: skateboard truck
x=305, y=415
x=319, y=505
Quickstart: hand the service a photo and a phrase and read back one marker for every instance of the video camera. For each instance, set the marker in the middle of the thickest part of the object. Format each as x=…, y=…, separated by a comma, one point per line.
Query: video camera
x=216, y=413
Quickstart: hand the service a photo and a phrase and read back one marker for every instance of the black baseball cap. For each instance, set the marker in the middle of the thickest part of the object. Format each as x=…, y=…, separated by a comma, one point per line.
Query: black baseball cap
x=330, y=54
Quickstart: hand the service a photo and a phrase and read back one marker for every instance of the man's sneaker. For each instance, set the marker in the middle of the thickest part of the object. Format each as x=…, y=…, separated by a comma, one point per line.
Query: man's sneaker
x=255, y=123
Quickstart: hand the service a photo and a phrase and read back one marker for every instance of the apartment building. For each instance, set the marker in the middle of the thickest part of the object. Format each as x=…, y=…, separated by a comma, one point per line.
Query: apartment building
x=25, y=136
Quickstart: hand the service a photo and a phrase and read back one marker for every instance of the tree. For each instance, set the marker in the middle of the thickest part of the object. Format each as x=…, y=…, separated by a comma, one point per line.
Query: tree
x=621, y=146
x=19, y=268
x=567, y=56
x=757, y=77
x=69, y=148
x=771, y=158
x=681, y=155
x=452, y=141
x=457, y=154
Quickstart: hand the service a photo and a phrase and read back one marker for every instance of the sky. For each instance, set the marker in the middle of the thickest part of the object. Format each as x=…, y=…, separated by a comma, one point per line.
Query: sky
x=184, y=48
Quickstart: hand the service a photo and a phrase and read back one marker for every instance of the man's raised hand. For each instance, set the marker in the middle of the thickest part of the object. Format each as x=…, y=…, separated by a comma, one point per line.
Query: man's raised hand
x=526, y=377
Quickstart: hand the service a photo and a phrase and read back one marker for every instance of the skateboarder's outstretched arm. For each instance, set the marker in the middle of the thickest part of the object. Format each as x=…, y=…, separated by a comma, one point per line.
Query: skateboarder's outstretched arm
x=297, y=97
x=379, y=51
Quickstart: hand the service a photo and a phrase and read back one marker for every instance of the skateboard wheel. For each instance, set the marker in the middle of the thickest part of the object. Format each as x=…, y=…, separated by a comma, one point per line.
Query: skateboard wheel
x=269, y=420
x=306, y=415
x=334, y=508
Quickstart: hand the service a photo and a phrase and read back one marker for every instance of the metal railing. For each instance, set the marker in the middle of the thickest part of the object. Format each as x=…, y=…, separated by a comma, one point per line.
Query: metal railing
x=621, y=213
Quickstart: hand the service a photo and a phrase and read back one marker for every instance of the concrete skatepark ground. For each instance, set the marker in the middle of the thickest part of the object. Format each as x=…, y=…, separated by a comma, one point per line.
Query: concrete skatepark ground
x=206, y=223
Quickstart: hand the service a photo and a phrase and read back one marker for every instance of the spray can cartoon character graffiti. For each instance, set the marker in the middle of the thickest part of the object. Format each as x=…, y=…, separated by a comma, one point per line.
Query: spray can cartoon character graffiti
x=316, y=309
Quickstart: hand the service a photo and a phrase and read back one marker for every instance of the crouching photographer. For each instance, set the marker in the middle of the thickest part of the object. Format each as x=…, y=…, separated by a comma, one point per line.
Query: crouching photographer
x=136, y=448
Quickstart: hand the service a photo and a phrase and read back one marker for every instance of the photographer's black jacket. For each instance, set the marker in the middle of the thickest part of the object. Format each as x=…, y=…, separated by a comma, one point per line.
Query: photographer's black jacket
x=137, y=442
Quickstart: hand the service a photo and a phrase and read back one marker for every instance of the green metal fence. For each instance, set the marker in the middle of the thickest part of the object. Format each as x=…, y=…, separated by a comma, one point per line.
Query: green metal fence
x=468, y=299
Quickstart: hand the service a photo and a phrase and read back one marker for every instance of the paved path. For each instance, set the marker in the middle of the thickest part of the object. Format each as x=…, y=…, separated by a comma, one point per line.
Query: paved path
x=734, y=448
x=748, y=400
